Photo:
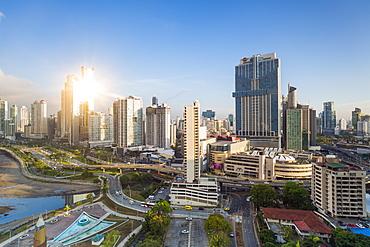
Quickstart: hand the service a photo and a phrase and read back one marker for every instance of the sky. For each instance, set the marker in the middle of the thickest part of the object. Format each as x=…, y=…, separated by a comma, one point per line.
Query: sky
x=182, y=51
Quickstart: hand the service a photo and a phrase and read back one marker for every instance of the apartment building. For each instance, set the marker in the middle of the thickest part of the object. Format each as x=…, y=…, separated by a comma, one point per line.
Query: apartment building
x=338, y=189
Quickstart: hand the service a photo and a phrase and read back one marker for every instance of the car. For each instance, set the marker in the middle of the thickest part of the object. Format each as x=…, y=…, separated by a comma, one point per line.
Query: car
x=226, y=209
x=185, y=231
x=189, y=218
x=231, y=234
x=160, y=192
x=174, y=208
x=351, y=225
x=251, y=182
x=201, y=208
x=188, y=207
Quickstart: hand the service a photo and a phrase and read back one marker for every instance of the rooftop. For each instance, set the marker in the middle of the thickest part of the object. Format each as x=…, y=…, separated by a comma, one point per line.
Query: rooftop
x=304, y=218
x=337, y=165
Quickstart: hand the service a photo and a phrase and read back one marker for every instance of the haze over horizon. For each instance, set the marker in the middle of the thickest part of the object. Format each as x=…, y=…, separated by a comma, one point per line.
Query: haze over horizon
x=184, y=51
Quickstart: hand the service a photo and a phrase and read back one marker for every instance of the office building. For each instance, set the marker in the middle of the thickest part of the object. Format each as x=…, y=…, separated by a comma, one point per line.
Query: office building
x=356, y=116
x=257, y=100
x=338, y=189
x=298, y=122
x=77, y=101
x=39, y=119
x=158, y=122
x=328, y=118
x=267, y=164
x=209, y=114
x=128, y=121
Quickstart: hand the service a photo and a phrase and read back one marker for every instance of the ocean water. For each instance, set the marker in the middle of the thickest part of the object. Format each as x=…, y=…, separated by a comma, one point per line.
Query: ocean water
x=24, y=207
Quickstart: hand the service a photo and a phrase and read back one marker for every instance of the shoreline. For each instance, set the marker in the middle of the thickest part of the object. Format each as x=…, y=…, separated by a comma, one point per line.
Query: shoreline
x=13, y=184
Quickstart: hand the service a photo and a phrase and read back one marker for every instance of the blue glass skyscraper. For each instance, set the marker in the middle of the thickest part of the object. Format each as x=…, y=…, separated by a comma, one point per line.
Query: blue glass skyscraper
x=258, y=99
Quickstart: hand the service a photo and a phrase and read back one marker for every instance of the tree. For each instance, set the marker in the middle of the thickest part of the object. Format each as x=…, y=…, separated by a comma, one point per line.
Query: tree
x=162, y=208
x=90, y=197
x=295, y=194
x=348, y=239
x=215, y=223
x=269, y=244
x=263, y=195
x=150, y=243
x=288, y=232
x=67, y=208
x=219, y=239
x=267, y=235
x=312, y=241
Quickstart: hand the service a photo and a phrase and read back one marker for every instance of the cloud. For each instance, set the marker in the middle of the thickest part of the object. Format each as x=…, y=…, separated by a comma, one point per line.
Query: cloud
x=19, y=91
x=1, y=16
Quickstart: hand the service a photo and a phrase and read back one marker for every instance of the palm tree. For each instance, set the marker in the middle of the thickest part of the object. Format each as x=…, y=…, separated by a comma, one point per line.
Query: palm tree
x=90, y=196
x=67, y=208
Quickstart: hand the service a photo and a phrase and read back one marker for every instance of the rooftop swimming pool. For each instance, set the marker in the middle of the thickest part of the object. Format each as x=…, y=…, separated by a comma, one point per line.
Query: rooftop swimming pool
x=84, y=226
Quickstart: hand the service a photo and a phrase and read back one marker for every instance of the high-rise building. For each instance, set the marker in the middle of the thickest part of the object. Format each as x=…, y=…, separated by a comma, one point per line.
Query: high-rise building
x=257, y=99
x=39, y=119
x=328, y=118
x=209, y=114
x=338, y=189
x=342, y=124
x=158, y=121
x=4, y=114
x=76, y=104
x=128, y=121
x=100, y=129
x=298, y=122
x=356, y=116
x=192, y=157
x=24, y=117
x=194, y=190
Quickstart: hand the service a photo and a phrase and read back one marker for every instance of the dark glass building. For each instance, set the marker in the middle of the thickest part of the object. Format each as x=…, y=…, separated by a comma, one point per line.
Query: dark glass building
x=257, y=100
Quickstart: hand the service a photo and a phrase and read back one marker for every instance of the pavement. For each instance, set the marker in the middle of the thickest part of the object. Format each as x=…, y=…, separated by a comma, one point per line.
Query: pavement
x=58, y=223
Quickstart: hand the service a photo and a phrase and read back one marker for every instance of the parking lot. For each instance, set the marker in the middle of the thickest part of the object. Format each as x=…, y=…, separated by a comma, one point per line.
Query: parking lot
x=196, y=234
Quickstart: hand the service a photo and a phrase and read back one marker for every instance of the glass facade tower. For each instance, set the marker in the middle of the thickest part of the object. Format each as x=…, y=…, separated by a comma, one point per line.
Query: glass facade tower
x=257, y=99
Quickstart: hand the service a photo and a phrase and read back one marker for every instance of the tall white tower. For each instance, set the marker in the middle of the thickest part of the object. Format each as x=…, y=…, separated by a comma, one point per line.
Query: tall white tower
x=192, y=157
x=24, y=117
x=39, y=118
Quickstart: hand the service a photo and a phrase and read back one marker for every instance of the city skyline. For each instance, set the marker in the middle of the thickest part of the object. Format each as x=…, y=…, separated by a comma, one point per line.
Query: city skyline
x=183, y=52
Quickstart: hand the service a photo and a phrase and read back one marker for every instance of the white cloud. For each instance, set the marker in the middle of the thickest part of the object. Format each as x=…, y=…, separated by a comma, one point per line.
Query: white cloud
x=1, y=16
x=19, y=91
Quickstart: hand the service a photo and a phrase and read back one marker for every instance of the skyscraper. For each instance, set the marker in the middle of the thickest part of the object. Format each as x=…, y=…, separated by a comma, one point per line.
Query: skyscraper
x=356, y=116
x=328, y=118
x=257, y=99
x=24, y=117
x=158, y=121
x=4, y=114
x=128, y=121
x=39, y=119
x=77, y=101
x=192, y=157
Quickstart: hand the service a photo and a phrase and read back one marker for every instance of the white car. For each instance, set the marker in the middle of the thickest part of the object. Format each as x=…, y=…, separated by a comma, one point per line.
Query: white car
x=184, y=231
x=189, y=218
x=251, y=182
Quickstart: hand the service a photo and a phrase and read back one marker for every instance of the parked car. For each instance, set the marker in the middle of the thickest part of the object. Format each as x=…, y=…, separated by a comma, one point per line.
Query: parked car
x=201, y=208
x=189, y=218
x=231, y=234
x=184, y=231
